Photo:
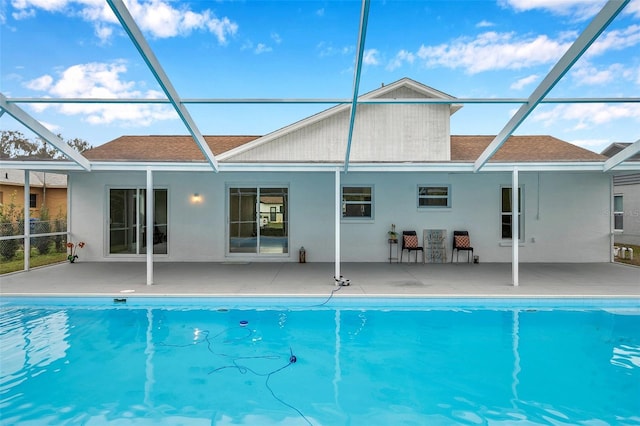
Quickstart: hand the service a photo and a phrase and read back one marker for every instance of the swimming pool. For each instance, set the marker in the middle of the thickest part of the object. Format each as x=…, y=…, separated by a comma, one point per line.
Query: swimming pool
x=354, y=361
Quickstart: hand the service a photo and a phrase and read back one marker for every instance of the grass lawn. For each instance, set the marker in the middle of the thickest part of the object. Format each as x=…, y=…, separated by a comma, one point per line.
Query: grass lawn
x=17, y=264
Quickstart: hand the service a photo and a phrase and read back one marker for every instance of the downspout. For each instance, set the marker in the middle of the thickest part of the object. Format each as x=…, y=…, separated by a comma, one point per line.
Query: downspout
x=611, y=220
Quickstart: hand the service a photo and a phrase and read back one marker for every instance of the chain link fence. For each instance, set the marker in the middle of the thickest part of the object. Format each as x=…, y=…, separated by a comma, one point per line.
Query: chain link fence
x=48, y=239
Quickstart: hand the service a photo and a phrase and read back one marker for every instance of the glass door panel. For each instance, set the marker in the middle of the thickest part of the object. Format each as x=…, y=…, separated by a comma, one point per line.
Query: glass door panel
x=273, y=236
x=122, y=221
x=127, y=221
x=243, y=230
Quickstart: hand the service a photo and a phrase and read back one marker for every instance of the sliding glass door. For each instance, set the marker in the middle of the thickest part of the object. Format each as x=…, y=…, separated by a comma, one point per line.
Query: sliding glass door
x=258, y=220
x=127, y=221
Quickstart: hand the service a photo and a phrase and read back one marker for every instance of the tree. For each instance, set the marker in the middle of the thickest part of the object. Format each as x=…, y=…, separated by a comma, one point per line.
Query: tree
x=14, y=144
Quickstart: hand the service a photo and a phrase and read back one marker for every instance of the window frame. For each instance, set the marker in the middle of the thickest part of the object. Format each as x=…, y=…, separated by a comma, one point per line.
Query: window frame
x=618, y=214
x=433, y=197
x=345, y=203
x=521, y=215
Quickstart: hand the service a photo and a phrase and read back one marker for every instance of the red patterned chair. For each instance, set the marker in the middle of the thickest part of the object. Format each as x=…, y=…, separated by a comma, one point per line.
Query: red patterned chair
x=410, y=243
x=461, y=242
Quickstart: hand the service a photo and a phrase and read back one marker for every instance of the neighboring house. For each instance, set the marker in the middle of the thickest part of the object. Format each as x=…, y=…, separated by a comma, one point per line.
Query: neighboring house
x=626, y=200
x=403, y=168
x=45, y=189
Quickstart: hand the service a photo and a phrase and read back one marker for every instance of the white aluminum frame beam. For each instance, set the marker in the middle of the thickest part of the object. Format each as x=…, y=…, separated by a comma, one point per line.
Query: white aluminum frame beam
x=629, y=151
x=362, y=34
x=609, y=11
x=332, y=101
x=23, y=117
x=130, y=26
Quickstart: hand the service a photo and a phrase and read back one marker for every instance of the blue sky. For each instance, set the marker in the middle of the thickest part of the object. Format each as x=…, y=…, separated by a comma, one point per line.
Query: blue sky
x=306, y=49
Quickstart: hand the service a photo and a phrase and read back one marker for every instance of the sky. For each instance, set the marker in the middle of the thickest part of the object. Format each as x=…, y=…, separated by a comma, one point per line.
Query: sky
x=307, y=49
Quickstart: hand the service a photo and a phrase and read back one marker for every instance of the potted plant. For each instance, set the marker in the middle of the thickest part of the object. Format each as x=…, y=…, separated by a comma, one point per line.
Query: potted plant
x=74, y=249
x=393, y=235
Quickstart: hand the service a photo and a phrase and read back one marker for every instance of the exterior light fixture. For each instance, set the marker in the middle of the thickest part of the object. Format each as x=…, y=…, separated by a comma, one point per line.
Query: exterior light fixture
x=196, y=198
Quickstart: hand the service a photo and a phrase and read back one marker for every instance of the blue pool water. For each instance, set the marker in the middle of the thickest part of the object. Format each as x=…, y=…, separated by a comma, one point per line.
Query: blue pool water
x=310, y=361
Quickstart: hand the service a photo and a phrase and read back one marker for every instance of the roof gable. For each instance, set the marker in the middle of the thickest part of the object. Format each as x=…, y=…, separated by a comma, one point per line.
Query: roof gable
x=405, y=88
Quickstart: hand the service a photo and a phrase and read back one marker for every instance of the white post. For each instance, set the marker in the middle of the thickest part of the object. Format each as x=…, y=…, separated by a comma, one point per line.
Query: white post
x=515, y=225
x=149, y=224
x=27, y=221
x=338, y=213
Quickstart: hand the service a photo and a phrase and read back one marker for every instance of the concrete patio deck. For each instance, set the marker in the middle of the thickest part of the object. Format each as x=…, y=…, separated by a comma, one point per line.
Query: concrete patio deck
x=316, y=279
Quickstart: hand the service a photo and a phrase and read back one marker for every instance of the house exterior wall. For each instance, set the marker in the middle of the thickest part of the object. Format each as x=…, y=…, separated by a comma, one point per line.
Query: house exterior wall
x=566, y=214
x=629, y=187
x=54, y=198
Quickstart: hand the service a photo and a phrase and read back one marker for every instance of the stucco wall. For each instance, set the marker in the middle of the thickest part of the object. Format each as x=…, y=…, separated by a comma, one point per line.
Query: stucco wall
x=631, y=220
x=566, y=214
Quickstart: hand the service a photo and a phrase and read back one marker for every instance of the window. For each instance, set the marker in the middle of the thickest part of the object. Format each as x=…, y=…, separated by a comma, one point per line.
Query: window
x=506, y=214
x=33, y=201
x=127, y=221
x=618, y=213
x=434, y=196
x=357, y=202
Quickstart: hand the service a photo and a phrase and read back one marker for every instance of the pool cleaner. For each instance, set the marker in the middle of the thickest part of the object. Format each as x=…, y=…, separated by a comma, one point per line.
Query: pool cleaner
x=342, y=281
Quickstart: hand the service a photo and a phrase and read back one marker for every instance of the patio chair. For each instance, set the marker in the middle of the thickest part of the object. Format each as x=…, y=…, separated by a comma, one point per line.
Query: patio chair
x=410, y=243
x=461, y=242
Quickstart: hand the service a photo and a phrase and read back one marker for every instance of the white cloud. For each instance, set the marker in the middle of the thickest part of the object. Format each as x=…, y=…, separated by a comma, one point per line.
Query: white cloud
x=586, y=116
x=23, y=14
x=484, y=24
x=159, y=18
x=100, y=80
x=41, y=83
x=325, y=50
x=47, y=5
x=587, y=74
x=525, y=81
x=262, y=48
x=276, y=38
x=615, y=40
x=633, y=8
x=578, y=9
x=401, y=57
x=370, y=57
x=492, y=51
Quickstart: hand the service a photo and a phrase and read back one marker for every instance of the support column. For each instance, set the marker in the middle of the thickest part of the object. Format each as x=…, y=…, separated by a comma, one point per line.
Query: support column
x=338, y=212
x=515, y=225
x=150, y=220
x=27, y=221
